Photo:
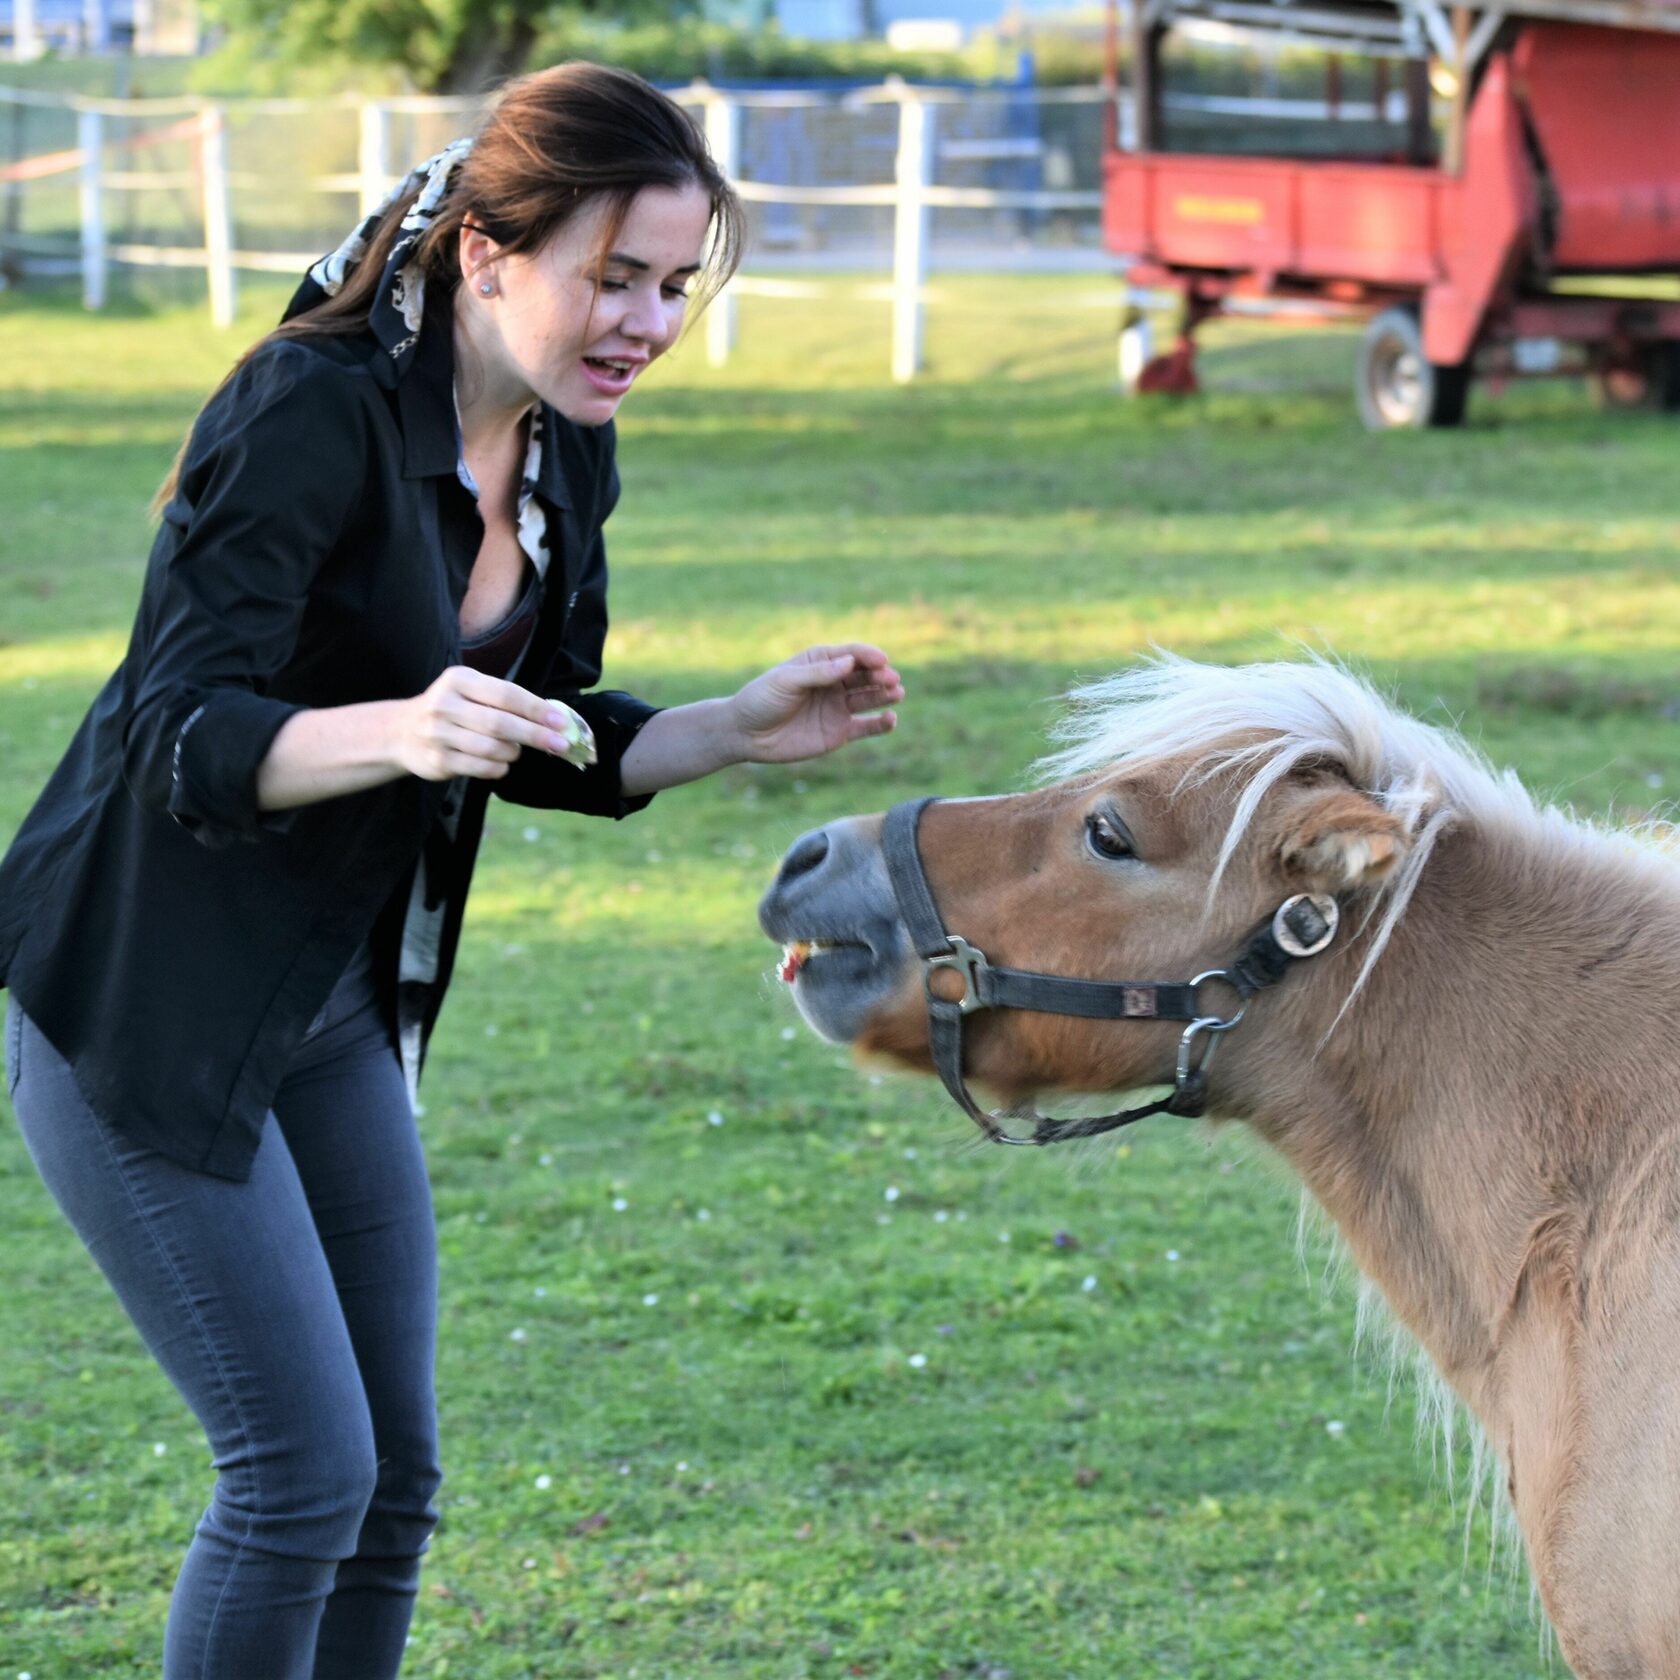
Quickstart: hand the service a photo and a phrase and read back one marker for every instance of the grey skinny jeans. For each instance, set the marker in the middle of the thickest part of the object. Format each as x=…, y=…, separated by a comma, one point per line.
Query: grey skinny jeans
x=297, y=1315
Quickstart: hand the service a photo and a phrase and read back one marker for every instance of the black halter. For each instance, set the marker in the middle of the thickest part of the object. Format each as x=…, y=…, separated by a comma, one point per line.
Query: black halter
x=1301, y=926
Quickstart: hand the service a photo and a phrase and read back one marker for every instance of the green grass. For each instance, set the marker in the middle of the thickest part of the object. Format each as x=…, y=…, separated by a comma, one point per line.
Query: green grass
x=749, y=1478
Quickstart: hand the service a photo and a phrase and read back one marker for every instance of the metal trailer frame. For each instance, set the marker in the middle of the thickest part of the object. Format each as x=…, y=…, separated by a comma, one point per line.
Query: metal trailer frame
x=1561, y=160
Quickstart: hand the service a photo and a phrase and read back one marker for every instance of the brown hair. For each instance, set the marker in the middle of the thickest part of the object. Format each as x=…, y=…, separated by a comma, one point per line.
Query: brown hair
x=556, y=141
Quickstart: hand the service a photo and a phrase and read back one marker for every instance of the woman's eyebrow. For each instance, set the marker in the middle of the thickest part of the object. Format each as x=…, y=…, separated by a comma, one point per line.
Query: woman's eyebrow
x=626, y=261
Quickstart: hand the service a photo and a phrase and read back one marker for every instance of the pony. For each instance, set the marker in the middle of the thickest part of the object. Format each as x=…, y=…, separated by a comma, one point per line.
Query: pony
x=1449, y=1007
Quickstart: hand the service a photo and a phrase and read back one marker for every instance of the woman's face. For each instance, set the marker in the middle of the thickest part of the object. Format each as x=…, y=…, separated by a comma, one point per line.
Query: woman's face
x=575, y=331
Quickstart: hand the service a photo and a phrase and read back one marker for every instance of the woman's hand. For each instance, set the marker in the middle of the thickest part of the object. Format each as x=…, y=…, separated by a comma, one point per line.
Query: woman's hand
x=816, y=701
x=470, y=724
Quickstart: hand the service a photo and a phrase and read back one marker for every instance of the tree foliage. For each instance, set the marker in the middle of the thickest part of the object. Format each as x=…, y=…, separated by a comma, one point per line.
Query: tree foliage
x=437, y=46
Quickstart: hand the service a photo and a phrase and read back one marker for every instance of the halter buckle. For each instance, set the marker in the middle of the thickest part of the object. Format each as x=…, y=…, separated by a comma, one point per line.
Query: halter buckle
x=966, y=960
x=1305, y=924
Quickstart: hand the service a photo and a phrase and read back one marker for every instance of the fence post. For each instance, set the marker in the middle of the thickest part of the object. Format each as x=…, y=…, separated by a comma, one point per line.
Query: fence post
x=90, y=138
x=26, y=33
x=910, y=231
x=373, y=155
x=11, y=222
x=218, y=215
x=723, y=135
x=96, y=25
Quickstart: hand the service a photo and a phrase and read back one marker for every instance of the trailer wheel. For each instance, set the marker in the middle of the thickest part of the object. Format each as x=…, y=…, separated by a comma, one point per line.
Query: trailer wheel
x=1649, y=379
x=1396, y=386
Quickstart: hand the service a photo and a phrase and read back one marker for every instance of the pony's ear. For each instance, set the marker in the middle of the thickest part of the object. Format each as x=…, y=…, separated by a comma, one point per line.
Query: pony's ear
x=1337, y=839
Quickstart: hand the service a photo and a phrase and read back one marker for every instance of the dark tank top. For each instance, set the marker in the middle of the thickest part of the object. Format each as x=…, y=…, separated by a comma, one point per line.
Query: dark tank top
x=497, y=651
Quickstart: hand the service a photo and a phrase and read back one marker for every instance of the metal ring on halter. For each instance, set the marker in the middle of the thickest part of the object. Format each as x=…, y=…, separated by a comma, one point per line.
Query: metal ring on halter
x=1220, y=1023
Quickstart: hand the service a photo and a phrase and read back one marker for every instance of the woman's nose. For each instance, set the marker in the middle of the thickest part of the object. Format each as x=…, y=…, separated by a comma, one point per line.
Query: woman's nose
x=648, y=321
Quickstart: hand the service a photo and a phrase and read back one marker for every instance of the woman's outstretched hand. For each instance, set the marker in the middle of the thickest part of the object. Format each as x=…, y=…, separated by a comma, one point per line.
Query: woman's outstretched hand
x=816, y=701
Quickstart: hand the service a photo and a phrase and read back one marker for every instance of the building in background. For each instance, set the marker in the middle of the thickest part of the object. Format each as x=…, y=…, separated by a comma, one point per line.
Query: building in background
x=162, y=28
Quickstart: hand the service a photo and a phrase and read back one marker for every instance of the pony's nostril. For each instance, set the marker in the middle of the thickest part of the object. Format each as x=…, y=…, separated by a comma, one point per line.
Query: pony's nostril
x=804, y=855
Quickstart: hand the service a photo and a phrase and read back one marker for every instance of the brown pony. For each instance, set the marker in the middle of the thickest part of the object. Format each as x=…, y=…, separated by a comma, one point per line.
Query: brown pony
x=1477, y=1076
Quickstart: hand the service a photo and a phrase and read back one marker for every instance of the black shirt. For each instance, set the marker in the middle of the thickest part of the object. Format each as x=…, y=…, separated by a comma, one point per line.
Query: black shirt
x=172, y=941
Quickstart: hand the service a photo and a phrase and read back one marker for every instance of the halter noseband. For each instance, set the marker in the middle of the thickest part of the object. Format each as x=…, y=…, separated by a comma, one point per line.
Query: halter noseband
x=1301, y=926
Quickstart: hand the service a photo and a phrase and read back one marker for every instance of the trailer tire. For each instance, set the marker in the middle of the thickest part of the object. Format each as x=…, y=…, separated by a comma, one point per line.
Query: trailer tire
x=1394, y=384
x=1666, y=380
x=1650, y=381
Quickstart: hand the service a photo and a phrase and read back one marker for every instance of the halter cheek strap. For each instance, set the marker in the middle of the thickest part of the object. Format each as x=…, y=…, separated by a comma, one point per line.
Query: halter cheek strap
x=1301, y=927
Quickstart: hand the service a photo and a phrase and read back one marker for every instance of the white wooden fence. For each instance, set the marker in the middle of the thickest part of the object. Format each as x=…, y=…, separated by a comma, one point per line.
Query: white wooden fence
x=107, y=130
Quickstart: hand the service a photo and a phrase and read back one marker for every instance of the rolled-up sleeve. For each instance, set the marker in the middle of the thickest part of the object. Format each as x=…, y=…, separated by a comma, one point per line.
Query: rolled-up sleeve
x=268, y=484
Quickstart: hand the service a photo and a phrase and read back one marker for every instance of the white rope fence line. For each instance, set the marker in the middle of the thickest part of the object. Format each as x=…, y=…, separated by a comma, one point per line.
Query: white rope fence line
x=912, y=194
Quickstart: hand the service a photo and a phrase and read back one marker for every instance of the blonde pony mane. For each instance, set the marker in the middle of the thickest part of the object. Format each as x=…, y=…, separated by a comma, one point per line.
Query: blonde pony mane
x=1261, y=722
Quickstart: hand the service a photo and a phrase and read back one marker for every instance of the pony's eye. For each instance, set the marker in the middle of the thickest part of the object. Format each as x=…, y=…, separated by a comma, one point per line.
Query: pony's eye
x=1106, y=837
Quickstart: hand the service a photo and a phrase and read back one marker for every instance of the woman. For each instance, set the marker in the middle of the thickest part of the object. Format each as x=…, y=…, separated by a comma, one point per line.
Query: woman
x=377, y=595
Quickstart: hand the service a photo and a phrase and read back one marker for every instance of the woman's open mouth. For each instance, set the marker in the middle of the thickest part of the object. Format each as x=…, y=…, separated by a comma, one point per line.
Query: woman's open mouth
x=610, y=375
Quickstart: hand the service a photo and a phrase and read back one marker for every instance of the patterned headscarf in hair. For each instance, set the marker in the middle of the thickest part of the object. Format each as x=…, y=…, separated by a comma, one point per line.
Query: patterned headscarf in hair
x=400, y=302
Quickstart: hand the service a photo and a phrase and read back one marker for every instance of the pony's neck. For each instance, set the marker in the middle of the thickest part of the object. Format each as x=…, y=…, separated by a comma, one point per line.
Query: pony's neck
x=1509, y=1058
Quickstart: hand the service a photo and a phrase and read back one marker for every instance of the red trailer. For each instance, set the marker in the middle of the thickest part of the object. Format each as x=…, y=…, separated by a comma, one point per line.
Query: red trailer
x=1559, y=162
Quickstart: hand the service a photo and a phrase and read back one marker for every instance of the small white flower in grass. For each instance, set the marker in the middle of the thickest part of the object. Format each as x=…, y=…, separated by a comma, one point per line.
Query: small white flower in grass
x=1088, y=1285
x=1003, y=1236
x=891, y=1194
x=940, y=1217
x=704, y=1213
x=650, y=1300
x=1172, y=1253
x=909, y=1154
x=491, y=1029
x=516, y=1335
x=545, y=1160
x=917, y=1361
x=883, y=1219
x=624, y=1469
x=1653, y=780
x=875, y=1079
x=540, y=1293
x=1334, y=1427
x=789, y=1034
x=529, y=1563
x=545, y=1482
x=619, y=1204
x=681, y=1465
x=533, y=833
x=158, y=1449
x=714, y=1118
x=515, y=1139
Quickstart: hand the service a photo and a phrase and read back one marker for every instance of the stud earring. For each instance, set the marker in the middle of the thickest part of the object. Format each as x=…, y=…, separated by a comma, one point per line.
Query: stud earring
x=485, y=287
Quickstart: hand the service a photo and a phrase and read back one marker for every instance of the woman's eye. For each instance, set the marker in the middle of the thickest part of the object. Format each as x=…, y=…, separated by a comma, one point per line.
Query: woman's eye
x=1106, y=838
x=615, y=285
x=676, y=294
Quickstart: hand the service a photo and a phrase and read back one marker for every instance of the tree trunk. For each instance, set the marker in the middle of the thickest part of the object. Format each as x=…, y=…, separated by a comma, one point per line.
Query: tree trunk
x=487, y=52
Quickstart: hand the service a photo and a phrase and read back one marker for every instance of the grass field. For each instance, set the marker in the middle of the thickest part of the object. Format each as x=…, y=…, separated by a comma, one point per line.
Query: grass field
x=755, y=1366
